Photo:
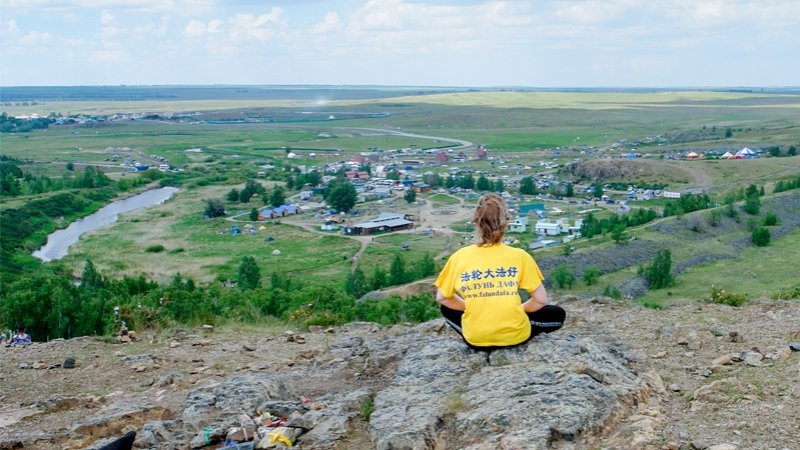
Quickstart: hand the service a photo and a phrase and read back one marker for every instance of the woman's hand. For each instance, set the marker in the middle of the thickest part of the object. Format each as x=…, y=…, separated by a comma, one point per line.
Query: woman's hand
x=537, y=301
x=455, y=302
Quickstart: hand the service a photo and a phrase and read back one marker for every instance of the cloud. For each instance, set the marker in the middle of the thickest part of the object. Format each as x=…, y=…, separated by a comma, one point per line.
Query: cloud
x=106, y=18
x=330, y=24
x=178, y=7
x=33, y=38
x=10, y=28
x=194, y=29
x=107, y=56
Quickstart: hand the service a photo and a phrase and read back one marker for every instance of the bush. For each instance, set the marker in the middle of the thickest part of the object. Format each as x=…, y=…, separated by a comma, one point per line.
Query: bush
x=659, y=272
x=590, y=275
x=726, y=297
x=787, y=294
x=770, y=220
x=563, y=276
x=714, y=217
x=157, y=248
x=613, y=292
x=761, y=237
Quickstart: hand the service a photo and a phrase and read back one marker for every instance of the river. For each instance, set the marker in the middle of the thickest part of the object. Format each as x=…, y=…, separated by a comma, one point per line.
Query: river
x=58, y=242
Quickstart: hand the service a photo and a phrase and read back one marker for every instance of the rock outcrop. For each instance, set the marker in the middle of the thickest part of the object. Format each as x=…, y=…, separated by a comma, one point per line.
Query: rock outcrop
x=425, y=389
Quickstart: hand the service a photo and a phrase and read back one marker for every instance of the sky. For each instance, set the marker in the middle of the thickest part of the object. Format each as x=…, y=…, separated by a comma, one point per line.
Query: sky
x=534, y=43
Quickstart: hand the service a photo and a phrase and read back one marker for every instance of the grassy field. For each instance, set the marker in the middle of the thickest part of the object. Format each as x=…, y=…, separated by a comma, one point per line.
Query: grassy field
x=757, y=273
x=519, y=128
x=206, y=249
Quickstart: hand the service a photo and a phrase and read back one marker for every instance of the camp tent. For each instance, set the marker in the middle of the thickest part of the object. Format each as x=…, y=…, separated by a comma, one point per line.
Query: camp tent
x=692, y=155
x=727, y=155
x=746, y=153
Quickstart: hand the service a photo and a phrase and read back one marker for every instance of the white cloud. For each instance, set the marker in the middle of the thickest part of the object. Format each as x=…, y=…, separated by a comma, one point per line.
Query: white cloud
x=10, y=28
x=215, y=26
x=107, y=56
x=194, y=28
x=35, y=38
x=248, y=26
x=330, y=24
x=106, y=18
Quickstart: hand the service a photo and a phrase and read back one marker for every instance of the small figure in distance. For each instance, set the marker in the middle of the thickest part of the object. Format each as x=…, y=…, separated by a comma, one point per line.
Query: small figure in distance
x=21, y=338
x=478, y=288
x=3, y=339
x=124, y=335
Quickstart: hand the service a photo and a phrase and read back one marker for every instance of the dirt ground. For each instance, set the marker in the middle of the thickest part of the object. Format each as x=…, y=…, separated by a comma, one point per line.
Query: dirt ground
x=751, y=406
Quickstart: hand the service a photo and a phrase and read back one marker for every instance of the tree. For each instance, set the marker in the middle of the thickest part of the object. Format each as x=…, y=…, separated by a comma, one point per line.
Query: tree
x=728, y=132
x=278, y=197
x=774, y=151
x=254, y=214
x=482, y=184
x=214, y=207
x=499, y=186
x=563, y=276
x=393, y=175
x=410, y=196
x=397, y=271
x=792, y=151
x=378, y=279
x=597, y=189
x=233, y=195
x=425, y=266
x=249, y=274
x=570, y=190
x=591, y=275
x=90, y=278
x=659, y=272
x=341, y=195
x=527, y=186
x=618, y=234
x=70, y=166
x=761, y=236
x=771, y=219
x=752, y=204
x=356, y=283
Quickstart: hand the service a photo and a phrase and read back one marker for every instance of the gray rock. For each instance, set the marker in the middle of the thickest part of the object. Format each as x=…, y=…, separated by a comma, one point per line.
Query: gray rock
x=523, y=397
x=230, y=398
x=795, y=346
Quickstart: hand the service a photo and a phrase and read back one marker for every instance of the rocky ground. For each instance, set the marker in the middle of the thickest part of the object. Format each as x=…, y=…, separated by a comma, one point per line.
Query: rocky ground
x=618, y=376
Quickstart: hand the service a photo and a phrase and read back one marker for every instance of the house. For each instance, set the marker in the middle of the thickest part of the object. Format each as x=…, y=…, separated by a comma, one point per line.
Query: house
x=441, y=158
x=386, y=221
x=541, y=243
x=547, y=228
x=668, y=194
x=519, y=225
x=531, y=207
x=480, y=153
x=421, y=187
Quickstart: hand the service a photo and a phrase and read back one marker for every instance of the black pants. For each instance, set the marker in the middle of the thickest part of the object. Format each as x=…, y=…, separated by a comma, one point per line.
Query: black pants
x=546, y=320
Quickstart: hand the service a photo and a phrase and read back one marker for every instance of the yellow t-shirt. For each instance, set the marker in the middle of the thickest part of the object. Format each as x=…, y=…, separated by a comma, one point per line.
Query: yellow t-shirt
x=488, y=278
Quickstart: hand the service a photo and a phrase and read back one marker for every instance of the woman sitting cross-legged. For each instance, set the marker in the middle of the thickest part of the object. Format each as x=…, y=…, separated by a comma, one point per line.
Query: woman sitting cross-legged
x=478, y=288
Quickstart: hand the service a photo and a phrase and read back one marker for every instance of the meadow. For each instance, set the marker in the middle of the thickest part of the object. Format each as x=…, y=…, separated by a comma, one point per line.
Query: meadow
x=517, y=127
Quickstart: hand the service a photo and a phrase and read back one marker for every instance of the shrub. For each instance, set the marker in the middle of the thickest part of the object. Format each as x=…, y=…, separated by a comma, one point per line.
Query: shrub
x=761, y=236
x=157, y=248
x=787, y=294
x=652, y=304
x=770, y=219
x=590, y=275
x=176, y=250
x=714, y=217
x=726, y=297
x=563, y=276
x=659, y=272
x=613, y=292
x=752, y=204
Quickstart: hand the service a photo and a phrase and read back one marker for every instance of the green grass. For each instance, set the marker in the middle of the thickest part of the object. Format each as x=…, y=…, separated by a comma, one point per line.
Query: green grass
x=757, y=272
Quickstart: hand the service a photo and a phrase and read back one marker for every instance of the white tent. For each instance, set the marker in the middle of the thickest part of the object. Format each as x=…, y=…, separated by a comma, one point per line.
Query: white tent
x=276, y=252
x=727, y=155
x=746, y=152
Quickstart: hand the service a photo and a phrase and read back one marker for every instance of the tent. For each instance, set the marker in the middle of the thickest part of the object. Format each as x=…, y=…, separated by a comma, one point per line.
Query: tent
x=727, y=155
x=746, y=153
x=276, y=252
x=692, y=155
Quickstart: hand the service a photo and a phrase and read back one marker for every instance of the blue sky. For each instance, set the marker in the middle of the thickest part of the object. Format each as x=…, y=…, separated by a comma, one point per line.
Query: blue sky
x=623, y=43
